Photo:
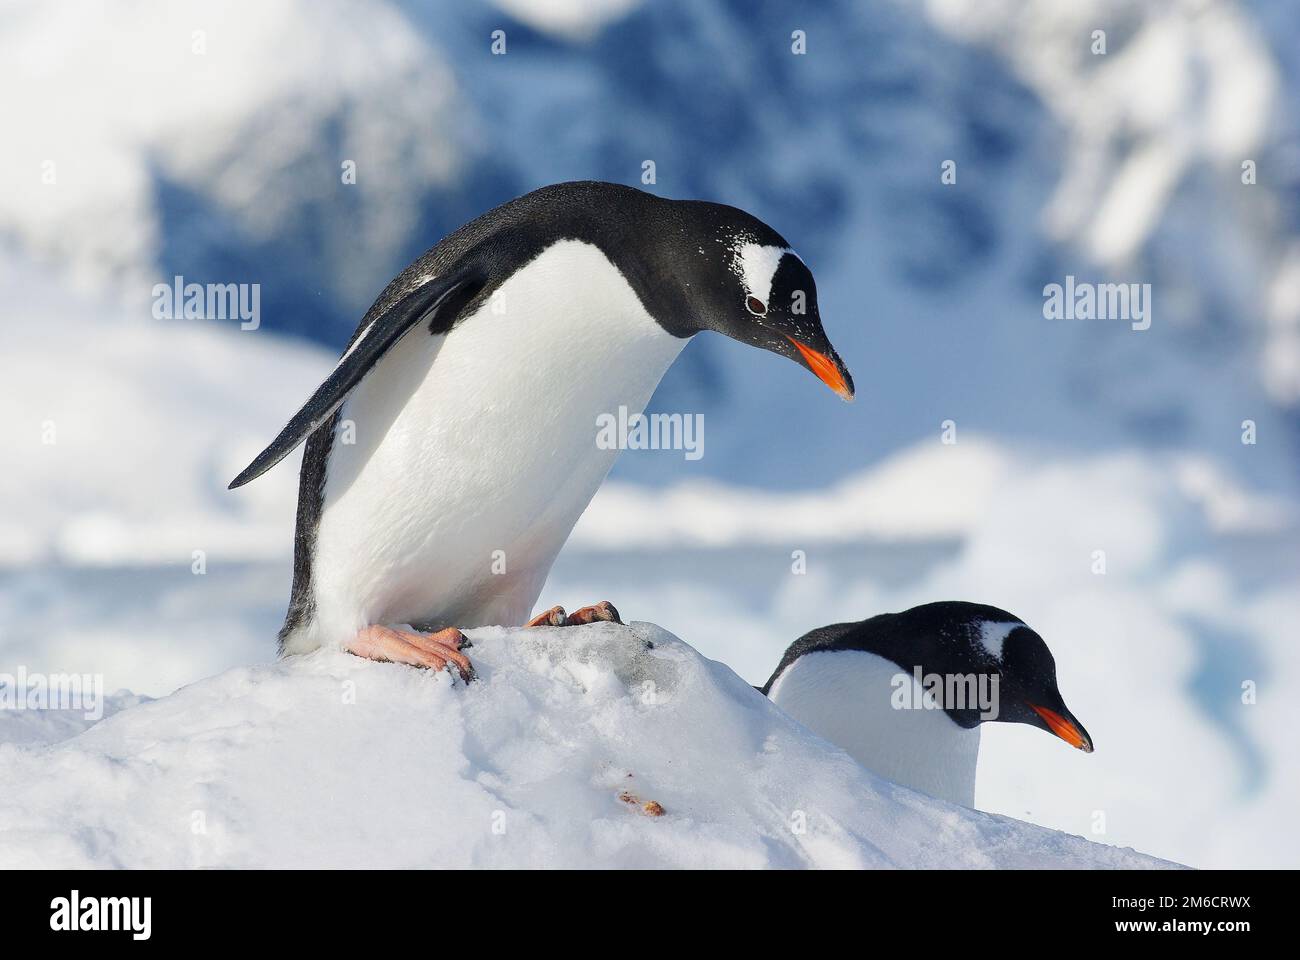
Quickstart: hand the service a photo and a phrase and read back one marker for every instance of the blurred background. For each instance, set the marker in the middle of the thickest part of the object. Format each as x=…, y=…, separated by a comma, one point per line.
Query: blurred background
x=151, y=139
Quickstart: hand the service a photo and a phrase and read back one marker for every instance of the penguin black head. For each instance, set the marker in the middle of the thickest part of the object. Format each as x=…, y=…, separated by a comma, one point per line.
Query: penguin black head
x=964, y=646
x=741, y=279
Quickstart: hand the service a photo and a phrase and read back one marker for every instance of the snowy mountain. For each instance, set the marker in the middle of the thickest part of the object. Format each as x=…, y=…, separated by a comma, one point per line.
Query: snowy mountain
x=599, y=746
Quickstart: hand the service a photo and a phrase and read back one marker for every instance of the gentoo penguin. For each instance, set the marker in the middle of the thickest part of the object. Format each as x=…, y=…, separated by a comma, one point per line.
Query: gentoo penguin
x=905, y=693
x=454, y=445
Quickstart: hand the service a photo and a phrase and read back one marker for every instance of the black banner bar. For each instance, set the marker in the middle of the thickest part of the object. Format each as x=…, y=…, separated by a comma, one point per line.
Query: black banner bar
x=331, y=908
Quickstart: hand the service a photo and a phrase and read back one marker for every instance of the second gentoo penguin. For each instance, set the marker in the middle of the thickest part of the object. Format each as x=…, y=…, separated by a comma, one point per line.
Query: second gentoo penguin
x=454, y=446
x=905, y=693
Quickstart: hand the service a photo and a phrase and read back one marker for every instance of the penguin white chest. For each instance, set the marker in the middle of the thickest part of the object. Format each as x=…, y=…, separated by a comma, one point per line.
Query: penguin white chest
x=461, y=462
x=849, y=698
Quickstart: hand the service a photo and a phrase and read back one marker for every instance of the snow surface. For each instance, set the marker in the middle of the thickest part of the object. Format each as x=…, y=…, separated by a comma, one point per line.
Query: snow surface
x=548, y=760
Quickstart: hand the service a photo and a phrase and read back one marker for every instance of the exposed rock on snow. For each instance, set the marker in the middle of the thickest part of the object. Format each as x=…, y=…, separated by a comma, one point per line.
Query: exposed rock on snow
x=596, y=746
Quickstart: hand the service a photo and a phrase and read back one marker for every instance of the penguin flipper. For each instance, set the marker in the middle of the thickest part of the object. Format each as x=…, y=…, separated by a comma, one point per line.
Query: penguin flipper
x=368, y=347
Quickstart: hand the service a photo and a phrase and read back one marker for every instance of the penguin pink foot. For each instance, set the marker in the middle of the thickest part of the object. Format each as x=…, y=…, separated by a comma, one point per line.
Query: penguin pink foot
x=433, y=650
x=555, y=617
x=597, y=611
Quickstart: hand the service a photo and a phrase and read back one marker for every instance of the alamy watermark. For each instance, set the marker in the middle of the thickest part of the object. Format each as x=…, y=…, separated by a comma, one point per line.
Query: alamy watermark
x=75, y=913
x=946, y=691
x=1082, y=300
x=655, y=431
x=179, y=300
x=22, y=690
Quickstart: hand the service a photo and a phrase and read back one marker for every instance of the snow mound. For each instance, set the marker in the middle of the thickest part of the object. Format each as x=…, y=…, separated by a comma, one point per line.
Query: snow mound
x=596, y=746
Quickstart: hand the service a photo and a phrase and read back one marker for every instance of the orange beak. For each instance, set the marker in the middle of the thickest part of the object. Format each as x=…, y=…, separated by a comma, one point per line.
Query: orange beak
x=827, y=370
x=1063, y=728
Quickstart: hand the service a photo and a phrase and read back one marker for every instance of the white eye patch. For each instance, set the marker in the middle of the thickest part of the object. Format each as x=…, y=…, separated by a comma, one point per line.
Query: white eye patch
x=757, y=264
x=993, y=635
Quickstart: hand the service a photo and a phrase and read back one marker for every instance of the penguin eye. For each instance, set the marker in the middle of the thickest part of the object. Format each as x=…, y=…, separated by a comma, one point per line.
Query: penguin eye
x=756, y=306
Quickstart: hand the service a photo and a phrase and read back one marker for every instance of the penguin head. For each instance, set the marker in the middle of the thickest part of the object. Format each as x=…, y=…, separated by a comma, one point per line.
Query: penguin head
x=744, y=281
x=961, y=640
x=975, y=662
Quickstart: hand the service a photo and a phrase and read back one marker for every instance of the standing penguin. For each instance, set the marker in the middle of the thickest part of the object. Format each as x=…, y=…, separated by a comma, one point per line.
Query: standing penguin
x=453, y=447
x=904, y=693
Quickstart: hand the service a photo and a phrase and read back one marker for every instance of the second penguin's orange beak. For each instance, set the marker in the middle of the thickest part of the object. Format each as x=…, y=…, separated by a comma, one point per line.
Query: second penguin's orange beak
x=828, y=369
x=1064, y=728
